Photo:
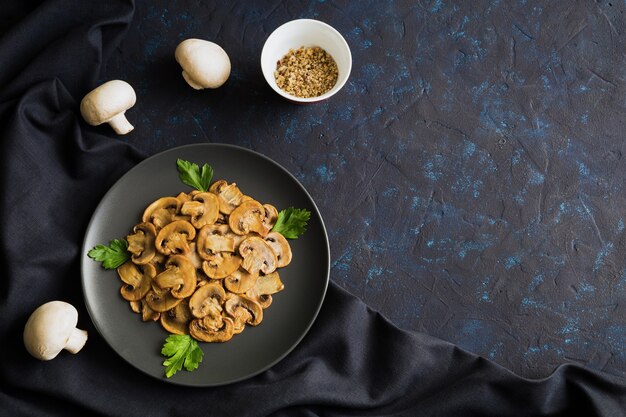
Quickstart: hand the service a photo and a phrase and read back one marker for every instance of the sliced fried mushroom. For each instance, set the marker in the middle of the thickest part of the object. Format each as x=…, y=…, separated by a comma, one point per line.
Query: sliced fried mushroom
x=244, y=311
x=175, y=237
x=264, y=287
x=248, y=217
x=148, y=314
x=203, y=209
x=137, y=280
x=141, y=243
x=281, y=248
x=204, y=329
x=161, y=212
x=229, y=195
x=240, y=281
x=179, y=276
x=257, y=256
x=271, y=215
x=193, y=256
x=161, y=302
x=221, y=265
x=207, y=301
x=213, y=239
x=176, y=320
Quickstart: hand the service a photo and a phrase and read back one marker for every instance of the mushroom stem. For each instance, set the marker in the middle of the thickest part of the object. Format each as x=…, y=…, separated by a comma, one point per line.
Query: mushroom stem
x=191, y=82
x=120, y=124
x=76, y=341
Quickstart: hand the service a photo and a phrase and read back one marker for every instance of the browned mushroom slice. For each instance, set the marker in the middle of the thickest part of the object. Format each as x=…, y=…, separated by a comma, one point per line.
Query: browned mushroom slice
x=207, y=300
x=271, y=215
x=203, y=209
x=229, y=195
x=141, y=243
x=257, y=256
x=240, y=281
x=221, y=265
x=193, y=256
x=213, y=239
x=137, y=280
x=148, y=314
x=248, y=217
x=176, y=320
x=204, y=330
x=281, y=248
x=161, y=302
x=175, y=237
x=135, y=306
x=161, y=212
x=244, y=311
x=264, y=287
x=179, y=276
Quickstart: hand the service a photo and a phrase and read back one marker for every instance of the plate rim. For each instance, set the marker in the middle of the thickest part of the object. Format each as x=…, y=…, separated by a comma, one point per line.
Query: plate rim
x=296, y=343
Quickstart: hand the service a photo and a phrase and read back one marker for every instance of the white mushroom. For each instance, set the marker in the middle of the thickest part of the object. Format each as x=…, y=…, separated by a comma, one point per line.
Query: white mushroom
x=52, y=328
x=107, y=104
x=205, y=64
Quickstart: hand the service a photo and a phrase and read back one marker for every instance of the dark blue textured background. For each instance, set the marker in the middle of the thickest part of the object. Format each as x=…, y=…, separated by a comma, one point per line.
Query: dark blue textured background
x=470, y=173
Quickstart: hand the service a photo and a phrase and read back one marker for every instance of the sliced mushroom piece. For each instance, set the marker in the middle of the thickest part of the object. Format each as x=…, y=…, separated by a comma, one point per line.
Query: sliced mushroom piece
x=221, y=265
x=203, y=209
x=148, y=314
x=161, y=212
x=271, y=215
x=207, y=301
x=240, y=281
x=204, y=329
x=179, y=276
x=264, y=287
x=213, y=239
x=161, y=302
x=193, y=256
x=281, y=248
x=229, y=195
x=244, y=311
x=257, y=256
x=137, y=280
x=176, y=320
x=248, y=217
x=141, y=243
x=175, y=237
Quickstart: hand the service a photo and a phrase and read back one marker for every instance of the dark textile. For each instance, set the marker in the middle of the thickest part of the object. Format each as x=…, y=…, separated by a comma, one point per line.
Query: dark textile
x=55, y=169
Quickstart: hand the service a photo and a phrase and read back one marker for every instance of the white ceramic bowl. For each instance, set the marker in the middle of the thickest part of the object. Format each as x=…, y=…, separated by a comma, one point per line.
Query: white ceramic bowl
x=307, y=33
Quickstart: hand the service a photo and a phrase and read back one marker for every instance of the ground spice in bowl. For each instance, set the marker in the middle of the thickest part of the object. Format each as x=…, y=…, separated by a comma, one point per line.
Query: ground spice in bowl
x=306, y=72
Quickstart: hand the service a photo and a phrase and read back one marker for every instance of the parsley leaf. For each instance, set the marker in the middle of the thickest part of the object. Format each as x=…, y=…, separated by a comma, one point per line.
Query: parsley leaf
x=292, y=222
x=191, y=174
x=181, y=350
x=111, y=256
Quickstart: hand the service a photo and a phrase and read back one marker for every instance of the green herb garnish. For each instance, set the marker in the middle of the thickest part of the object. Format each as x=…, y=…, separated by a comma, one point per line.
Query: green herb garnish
x=292, y=222
x=181, y=350
x=111, y=256
x=191, y=174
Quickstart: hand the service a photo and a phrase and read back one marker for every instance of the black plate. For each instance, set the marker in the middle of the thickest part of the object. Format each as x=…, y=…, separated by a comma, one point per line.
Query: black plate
x=285, y=322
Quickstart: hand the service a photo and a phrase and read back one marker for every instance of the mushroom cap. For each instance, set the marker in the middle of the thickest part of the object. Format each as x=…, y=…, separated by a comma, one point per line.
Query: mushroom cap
x=176, y=320
x=137, y=280
x=52, y=328
x=248, y=217
x=281, y=248
x=203, y=209
x=175, y=237
x=107, y=101
x=257, y=256
x=207, y=300
x=205, y=64
x=204, y=329
x=179, y=276
x=214, y=238
x=141, y=243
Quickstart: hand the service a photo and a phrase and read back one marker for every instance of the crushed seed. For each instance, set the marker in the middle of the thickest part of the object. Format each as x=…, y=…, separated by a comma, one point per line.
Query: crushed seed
x=306, y=72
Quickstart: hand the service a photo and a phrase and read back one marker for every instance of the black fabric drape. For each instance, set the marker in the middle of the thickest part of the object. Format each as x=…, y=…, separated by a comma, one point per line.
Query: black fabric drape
x=55, y=169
